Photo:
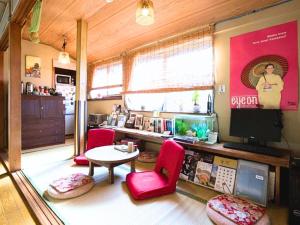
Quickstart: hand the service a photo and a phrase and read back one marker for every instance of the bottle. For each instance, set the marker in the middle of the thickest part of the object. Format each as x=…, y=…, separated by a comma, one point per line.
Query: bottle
x=22, y=87
x=209, y=105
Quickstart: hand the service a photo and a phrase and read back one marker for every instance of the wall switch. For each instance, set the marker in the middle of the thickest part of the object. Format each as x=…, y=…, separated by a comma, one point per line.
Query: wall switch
x=221, y=88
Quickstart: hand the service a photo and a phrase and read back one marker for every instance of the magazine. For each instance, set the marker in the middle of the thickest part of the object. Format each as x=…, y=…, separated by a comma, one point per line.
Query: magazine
x=203, y=172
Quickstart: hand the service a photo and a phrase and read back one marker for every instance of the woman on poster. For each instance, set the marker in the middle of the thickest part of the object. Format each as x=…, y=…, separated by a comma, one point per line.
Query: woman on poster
x=269, y=88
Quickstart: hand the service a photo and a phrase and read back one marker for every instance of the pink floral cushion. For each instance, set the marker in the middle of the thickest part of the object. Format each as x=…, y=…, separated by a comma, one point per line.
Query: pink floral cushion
x=237, y=210
x=71, y=182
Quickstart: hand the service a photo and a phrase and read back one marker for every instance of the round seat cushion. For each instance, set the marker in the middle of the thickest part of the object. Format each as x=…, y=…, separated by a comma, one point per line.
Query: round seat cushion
x=232, y=210
x=70, y=186
x=147, y=156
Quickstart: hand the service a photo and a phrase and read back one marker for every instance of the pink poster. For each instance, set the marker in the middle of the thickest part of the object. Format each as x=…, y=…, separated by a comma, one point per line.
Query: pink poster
x=264, y=68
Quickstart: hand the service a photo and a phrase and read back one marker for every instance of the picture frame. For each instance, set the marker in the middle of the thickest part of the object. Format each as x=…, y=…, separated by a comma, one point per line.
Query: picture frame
x=32, y=66
x=131, y=121
x=114, y=119
x=138, y=121
x=121, y=120
x=146, y=123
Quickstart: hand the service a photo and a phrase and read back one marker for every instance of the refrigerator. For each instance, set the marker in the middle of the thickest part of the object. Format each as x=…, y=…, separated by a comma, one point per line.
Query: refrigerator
x=68, y=91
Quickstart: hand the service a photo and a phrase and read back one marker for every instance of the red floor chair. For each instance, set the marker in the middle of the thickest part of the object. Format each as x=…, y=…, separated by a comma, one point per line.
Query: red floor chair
x=162, y=180
x=96, y=138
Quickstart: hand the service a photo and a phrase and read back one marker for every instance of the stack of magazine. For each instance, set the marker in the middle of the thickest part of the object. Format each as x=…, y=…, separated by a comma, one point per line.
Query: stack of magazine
x=208, y=170
x=122, y=148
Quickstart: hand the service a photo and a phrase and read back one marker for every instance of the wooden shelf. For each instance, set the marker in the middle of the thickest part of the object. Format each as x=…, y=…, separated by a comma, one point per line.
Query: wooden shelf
x=218, y=149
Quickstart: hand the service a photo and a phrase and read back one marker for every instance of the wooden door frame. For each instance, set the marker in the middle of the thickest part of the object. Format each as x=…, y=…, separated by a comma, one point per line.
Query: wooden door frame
x=12, y=38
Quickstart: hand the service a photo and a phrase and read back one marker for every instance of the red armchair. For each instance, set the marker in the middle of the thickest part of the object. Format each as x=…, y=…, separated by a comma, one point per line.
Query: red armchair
x=163, y=179
x=96, y=138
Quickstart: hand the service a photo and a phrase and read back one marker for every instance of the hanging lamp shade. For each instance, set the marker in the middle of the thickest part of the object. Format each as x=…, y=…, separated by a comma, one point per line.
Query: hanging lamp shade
x=64, y=58
x=145, y=13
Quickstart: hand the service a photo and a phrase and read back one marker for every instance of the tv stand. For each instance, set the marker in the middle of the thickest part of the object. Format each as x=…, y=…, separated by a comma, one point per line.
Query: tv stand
x=253, y=148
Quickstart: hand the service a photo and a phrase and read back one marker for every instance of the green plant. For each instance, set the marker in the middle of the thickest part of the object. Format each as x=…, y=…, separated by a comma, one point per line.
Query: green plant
x=195, y=98
x=181, y=127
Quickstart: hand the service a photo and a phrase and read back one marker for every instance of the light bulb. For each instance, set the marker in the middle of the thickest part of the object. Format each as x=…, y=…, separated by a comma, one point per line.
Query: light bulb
x=145, y=12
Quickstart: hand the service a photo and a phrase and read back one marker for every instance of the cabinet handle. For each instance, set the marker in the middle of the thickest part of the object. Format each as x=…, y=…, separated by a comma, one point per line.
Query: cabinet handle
x=42, y=108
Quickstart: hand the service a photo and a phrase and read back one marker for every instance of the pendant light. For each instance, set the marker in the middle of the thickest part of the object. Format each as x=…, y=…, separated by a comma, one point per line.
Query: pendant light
x=64, y=57
x=145, y=12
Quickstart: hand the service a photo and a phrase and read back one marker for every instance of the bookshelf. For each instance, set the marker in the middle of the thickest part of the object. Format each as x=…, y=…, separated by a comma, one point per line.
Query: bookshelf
x=218, y=150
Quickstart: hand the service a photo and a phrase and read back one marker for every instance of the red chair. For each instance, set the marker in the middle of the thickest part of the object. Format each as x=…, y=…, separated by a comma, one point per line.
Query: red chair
x=163, y=179
x=96, y=138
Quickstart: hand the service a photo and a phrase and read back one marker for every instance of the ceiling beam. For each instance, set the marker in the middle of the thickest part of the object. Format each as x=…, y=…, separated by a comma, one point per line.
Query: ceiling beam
x=22, y=11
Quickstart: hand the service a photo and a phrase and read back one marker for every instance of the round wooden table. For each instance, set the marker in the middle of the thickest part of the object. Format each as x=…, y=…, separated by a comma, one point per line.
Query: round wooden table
x=109, y=157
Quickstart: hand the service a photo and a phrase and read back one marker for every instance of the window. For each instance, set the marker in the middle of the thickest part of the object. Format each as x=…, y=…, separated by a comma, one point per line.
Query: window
x=107, y=80
x=167, y=76
x=169, y=101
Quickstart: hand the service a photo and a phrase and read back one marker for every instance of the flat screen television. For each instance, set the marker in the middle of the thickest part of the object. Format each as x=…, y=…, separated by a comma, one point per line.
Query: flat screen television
x=256, y=124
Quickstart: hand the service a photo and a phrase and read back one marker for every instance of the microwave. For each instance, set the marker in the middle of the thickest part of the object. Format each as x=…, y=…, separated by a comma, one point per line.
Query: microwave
x=63, y=79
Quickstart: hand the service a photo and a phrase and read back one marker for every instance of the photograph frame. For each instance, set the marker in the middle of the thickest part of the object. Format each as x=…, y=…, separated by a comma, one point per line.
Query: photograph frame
x=32, y=66
x=138, y=121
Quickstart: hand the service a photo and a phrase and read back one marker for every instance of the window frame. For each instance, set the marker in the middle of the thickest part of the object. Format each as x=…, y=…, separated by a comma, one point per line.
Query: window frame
x=107, y=64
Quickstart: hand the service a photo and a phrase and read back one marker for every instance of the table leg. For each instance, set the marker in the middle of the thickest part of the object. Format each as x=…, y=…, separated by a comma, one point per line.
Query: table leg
x=277, y=185
x=132, y=166
x=91, y=169
x=111, y=175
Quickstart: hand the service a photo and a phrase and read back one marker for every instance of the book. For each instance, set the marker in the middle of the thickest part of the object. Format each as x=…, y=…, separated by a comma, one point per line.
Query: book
x=225, y=180
x=203, y=172
x=189, y=166
x=271, y=186
x=213, y=176
x=122, y=148
x=226, y=162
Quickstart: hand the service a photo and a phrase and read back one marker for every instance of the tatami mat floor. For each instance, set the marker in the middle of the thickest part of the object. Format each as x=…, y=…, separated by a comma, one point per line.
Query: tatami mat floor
x=14, y=211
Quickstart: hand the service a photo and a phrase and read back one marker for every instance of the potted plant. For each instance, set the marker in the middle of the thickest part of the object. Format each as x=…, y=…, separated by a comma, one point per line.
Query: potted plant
x=195, y=99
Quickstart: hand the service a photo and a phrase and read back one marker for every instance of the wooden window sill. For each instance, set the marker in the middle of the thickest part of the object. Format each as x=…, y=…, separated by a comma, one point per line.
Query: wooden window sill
x=117, y=97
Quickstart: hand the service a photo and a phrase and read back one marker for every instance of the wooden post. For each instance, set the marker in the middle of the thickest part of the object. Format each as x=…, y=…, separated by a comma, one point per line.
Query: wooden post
x=81, y=87
x=1, y=100
x=14, y=98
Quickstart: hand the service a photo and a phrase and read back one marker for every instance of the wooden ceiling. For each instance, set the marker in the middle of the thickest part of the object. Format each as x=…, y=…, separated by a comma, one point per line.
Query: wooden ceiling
x=112, y=28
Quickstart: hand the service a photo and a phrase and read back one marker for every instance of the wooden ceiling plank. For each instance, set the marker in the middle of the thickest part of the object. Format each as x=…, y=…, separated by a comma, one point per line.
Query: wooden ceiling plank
x=176, y=26
x=112, y=27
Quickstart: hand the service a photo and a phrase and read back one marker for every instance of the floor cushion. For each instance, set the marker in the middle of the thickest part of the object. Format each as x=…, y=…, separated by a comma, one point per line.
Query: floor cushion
x=147, y=156
x=146, y=184
x=81, y=160
x=232, y=210
x=70, y=186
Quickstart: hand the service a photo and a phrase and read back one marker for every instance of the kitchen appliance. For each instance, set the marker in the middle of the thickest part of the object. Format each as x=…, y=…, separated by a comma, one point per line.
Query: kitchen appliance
x=29, y=88
x=63, y=79
x=68, y=91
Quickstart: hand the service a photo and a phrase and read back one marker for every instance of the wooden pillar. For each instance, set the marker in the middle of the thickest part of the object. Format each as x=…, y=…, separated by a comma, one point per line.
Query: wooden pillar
x=1, y=100
x=14, y=98
x=81, y=87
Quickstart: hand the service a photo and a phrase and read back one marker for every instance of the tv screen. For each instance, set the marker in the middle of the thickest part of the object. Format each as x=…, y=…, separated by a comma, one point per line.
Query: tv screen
x=261, y=124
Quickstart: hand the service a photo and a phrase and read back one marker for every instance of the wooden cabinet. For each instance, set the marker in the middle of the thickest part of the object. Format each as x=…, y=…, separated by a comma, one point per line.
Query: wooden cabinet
x=43, y=121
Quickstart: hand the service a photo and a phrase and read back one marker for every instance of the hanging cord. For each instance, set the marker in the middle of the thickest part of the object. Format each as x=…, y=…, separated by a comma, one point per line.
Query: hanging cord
x=286, y=141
